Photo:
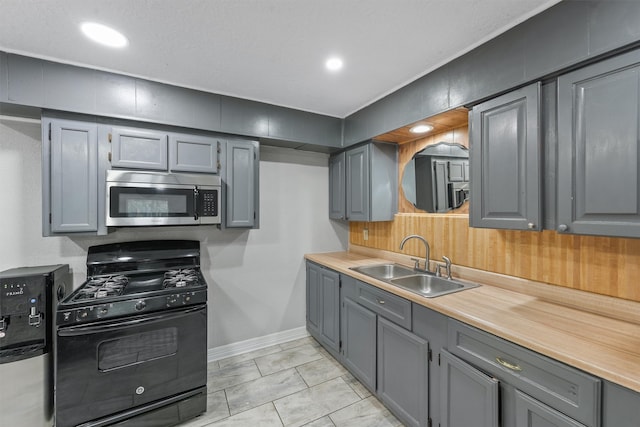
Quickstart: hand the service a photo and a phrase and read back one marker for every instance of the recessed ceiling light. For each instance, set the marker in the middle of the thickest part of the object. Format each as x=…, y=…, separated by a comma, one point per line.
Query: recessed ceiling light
x=333, y=64
x=421, y=129
x=104, y=35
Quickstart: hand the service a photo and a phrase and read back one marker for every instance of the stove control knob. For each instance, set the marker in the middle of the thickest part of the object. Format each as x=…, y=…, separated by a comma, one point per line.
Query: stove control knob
x=140, y=305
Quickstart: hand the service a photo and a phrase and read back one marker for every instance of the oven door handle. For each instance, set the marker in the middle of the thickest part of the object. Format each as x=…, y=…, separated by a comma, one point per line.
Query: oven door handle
x=123, y=324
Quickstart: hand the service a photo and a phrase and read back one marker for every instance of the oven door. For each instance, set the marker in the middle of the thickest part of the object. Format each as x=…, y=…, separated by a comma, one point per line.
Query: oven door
x=109, y=367
x=141, y=204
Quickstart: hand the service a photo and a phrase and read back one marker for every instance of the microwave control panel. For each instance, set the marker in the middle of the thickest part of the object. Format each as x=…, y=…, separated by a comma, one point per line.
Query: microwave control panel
x=209, y=202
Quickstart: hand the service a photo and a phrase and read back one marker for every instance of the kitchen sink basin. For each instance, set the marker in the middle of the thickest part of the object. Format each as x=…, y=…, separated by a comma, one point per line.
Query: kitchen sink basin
x=384, y=271
x=430, y=286
x=426, y=285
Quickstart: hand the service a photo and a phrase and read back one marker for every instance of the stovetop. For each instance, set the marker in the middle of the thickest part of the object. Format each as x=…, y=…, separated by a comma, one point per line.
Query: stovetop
x=104, y=288
x=135, y=278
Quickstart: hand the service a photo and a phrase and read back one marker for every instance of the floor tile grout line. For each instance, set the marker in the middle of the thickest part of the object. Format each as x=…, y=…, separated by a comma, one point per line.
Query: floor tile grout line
x=277, y=412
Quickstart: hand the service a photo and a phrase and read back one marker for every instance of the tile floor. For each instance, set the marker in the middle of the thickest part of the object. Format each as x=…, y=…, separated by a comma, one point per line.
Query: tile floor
x=292, y=384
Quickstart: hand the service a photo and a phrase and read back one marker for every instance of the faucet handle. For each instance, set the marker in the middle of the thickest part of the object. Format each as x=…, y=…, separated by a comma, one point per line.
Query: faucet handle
x=446, y=266
x=417, y=263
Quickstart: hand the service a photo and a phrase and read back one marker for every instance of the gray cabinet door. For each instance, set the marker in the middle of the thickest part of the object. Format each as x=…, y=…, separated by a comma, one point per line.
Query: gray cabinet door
x=74, y=176
x=599, y=148
x=241, y=182
x=358, y=183
x=440, y=193
x=402, y=373
x=531, y=413
x=456, y=171
x=505, y=161
x=138, y=149
x=468, y=397
x=337, y=186
x=193, y=153
x=330, y=309
x=359, y=342
x=314, y=276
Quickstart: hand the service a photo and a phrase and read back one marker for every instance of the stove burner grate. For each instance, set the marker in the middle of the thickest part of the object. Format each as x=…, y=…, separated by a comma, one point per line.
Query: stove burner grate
x=180, y=278
x=102, y=287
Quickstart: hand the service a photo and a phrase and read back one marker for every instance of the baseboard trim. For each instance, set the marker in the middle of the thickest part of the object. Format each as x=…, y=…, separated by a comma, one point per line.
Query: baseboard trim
x=252, y=344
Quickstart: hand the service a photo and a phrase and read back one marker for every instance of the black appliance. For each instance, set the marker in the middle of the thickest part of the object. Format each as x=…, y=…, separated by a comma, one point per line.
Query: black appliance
x=28, y=299
x=132, y=339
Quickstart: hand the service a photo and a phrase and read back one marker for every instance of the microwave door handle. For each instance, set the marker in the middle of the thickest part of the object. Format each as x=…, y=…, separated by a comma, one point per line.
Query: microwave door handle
x=195, y=204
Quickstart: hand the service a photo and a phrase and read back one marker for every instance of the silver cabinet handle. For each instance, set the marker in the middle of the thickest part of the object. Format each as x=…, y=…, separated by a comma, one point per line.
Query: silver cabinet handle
x=562, y=228
x=380, y=301
x=531, y=226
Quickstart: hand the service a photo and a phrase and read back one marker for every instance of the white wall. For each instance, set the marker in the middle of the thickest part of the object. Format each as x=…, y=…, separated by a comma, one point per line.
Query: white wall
x=256, y=278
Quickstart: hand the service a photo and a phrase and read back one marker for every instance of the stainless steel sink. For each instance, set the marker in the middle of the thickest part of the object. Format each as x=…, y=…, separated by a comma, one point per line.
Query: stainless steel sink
x=384, y=271
x=430, y=286
x=427, y=285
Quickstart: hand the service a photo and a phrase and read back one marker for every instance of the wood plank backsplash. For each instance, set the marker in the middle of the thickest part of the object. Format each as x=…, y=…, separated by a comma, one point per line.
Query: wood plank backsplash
x=603, y=265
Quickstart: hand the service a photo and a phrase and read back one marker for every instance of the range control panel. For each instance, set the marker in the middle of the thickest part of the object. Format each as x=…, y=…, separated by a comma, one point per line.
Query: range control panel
x=116, y=309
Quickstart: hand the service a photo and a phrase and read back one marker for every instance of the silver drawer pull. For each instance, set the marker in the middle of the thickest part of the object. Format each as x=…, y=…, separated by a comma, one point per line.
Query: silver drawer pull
x=508, y=365
x=380, y=301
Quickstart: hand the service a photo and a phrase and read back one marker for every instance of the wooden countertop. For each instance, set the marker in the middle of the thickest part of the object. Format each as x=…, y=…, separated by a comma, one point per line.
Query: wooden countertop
x=598, y=334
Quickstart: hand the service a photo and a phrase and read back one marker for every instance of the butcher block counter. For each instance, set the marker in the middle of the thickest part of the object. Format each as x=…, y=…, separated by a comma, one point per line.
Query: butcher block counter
x=595, y=333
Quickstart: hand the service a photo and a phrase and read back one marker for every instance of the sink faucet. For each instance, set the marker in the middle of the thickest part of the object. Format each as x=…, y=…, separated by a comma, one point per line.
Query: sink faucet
x=426, y=245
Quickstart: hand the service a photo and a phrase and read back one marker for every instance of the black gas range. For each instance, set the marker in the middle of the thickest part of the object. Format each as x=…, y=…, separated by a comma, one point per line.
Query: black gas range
x=132, y=338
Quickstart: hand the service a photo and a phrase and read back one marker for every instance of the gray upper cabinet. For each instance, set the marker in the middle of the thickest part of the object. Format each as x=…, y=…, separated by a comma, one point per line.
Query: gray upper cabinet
x=505, y=161
x=371, y=177
x=599, y=148
x=193, y=153
x=241, y=184
x=70, y=176
x=358, y=184
x=337, y=186
x=468, y=397
x=148, y=149
x=134, y=148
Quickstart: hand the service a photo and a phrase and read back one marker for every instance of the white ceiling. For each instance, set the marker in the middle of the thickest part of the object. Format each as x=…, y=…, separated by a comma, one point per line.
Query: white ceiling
x=266, y=50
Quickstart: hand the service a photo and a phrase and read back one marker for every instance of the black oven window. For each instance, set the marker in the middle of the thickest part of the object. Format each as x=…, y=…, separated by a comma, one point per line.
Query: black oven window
x=138, y=348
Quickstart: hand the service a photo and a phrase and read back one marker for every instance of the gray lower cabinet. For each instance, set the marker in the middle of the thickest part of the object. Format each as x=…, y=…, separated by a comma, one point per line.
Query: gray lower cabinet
x=380, y=350
x=69, y=176
x=403, y=374
x=323, y=306
x=531, y=413
x=468, y=397
x=505, y=161
x=241, y=178
x=370, y=182
x=620, y=406
x=599, y=148
x=535, y=390
x=358, y=334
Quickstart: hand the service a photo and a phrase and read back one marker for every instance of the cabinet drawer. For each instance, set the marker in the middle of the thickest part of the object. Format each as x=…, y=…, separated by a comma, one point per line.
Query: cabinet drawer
x=562, y=387
x=385, y=304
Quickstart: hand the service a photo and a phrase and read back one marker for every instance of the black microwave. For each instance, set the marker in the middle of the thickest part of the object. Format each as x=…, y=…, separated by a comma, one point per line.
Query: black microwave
x=137, y=198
